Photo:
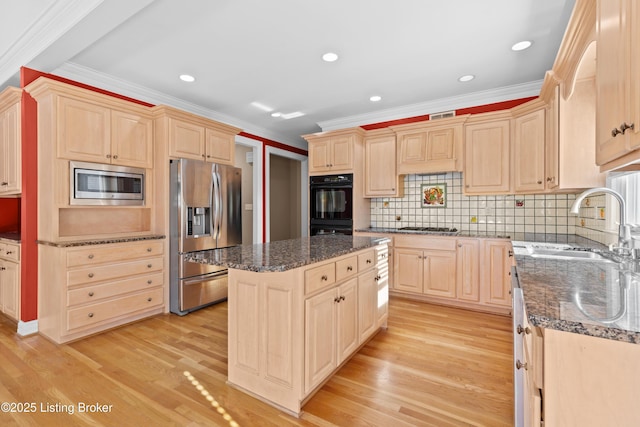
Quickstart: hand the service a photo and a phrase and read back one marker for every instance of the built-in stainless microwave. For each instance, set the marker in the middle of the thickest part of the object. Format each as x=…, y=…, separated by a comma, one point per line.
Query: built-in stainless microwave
x=102, y=184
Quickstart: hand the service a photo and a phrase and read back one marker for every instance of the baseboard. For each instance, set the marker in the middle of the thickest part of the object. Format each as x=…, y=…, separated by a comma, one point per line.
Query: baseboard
x=27, y=328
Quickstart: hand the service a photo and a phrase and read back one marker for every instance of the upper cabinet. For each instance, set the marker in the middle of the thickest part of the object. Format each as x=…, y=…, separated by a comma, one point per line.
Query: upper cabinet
x=430, y=146
x=10, y=142
x=333, y=152
x=487, y=154
x=191, y=137
x=93, y=127
x=529, y=147
x=618, y=86
x=381, y=178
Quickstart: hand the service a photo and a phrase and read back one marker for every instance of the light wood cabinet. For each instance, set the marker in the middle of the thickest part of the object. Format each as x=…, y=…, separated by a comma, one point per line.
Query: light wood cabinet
x=468, y=269
x=335, y=151
x=431, y=146
x=487, y=154
x=83, y=290
x=10, y=279
x=381, y=178
x=188, y=136
x=529, y=138
x=618, y=87
x=10, y=142
x=439, y=273
x=285, y=339
x=497, y=257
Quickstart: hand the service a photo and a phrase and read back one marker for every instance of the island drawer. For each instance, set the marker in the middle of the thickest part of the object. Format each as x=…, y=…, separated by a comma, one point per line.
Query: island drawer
x=346, y=267
x=113, y=271
x=110, y=253
x=90, y=294
x=366, y=260
x=9, y=251
x=110, y=310
x=319, y=277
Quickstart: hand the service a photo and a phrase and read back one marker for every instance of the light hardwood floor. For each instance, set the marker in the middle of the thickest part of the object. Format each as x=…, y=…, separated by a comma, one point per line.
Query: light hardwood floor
x=433, y=366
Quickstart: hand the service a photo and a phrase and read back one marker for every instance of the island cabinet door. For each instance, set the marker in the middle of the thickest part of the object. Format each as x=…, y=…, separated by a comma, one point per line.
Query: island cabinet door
x=347, y=323
x=320, y=337
x=367, y=304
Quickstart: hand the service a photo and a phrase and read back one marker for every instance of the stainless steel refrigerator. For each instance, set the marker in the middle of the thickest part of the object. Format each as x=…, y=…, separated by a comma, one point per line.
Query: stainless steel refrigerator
x=205, y=214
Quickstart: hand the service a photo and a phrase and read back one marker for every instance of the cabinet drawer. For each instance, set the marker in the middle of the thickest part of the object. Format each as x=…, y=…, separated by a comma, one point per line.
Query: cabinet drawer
x=102, y=254
x=113, y=271
x=9, y=251
x=102, y=312
x=366, y=260
x=426, y=242
x=346, y=267
x=319, y=277
x=95, y=293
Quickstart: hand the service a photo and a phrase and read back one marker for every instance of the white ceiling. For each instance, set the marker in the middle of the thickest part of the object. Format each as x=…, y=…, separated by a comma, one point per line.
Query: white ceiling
x=410, y=52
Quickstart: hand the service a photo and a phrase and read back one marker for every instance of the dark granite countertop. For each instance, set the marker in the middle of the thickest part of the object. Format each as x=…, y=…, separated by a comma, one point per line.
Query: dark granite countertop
x=284, y=254
x=579, y=296
x=74, y=243
x=383, y=230
x=11, y=235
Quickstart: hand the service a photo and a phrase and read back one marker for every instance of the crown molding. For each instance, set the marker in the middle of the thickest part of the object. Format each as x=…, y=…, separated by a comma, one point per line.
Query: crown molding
x=104, y=81
x=505, y=93
x=55, y=21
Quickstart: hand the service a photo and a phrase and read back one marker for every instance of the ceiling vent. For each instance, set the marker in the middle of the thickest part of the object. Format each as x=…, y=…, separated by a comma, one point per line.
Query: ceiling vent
x=442, y=115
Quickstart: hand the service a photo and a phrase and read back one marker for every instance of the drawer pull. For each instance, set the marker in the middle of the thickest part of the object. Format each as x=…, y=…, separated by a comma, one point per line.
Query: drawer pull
x=520, y=365
x=324, y=278
x=90, y=275
x=149, y=249
x=336, y=299
x=349, y=268
x=90, y=256
x=90, y=315
x=3, y=268
x=9, y=252
x=368, y=261
x=149, y=281
x=90, y=294
x=149, y=265
x=149, y=299
x=520, y=330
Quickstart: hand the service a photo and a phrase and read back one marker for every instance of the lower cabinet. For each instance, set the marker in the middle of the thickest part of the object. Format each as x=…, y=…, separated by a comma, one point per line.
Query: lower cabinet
x=10, y=279
x=460, y=271
x=88, y=289
x=290, y=331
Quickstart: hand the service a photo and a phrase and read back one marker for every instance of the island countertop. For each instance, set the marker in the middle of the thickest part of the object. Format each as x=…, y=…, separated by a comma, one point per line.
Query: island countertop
x=284, y=255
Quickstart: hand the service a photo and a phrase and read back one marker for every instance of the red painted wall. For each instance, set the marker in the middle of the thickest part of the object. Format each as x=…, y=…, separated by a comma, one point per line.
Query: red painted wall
x=9, y=215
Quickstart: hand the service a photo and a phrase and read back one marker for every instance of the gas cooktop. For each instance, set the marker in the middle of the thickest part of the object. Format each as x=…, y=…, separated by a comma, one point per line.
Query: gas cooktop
x=431, y=229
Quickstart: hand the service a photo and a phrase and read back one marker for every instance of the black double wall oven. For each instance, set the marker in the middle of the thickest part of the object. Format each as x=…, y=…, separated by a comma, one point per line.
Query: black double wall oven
x=331, y=204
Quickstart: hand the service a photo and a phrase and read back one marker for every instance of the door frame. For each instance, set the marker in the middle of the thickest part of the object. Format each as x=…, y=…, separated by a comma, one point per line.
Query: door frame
x=257, y=185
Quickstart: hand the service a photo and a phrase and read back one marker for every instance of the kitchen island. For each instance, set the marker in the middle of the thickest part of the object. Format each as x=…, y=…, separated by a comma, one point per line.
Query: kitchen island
x=298, y=310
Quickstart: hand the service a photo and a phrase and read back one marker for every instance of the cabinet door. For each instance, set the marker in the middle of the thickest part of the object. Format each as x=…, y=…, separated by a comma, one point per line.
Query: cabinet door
x=413, y=149
x=440, y=274
x=186, y=140
x=10, y=151
x=380, y=167
x=468, y=270
x=132, y=140
x=440, y=145
x=408, y=270
x=552, y=141
x=9, y=286
x=220, y=147
x=341, y=159
x=320, y=338
x=497, y=272
x=367, y=304
x=319, y=156
x=529, y=141
x=84, y=131
x=347, y=319
x=486, y=166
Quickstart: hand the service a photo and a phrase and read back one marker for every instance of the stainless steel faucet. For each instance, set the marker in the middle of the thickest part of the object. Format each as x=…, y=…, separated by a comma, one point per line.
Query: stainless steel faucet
x=626, y=245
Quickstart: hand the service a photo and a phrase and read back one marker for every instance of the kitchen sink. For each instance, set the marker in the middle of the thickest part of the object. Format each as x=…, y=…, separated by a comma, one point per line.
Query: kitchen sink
x=568, y=254
x=430, y=229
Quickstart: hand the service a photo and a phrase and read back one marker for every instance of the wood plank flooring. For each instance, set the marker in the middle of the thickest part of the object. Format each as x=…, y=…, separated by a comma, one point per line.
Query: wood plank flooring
x=433, y=366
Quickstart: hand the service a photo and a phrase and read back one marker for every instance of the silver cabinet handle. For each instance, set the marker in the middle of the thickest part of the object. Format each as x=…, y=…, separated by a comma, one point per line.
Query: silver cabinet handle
x=520, y=365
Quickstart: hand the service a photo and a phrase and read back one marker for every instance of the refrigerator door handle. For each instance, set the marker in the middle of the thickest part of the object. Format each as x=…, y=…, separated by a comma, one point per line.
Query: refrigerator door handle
x=213, y=201
x=218, y=202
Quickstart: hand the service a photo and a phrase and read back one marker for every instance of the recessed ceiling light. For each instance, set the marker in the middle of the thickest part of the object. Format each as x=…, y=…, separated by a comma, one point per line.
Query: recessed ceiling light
x=466, y=78
x=375, y=98
x=187, y=78
x=521, y=45
x=330, y=57
x=293, y=115
x=276, y=114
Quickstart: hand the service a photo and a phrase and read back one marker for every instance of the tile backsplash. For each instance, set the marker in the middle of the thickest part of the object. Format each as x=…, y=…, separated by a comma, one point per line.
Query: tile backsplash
x=592, y=220
x=499, y=213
